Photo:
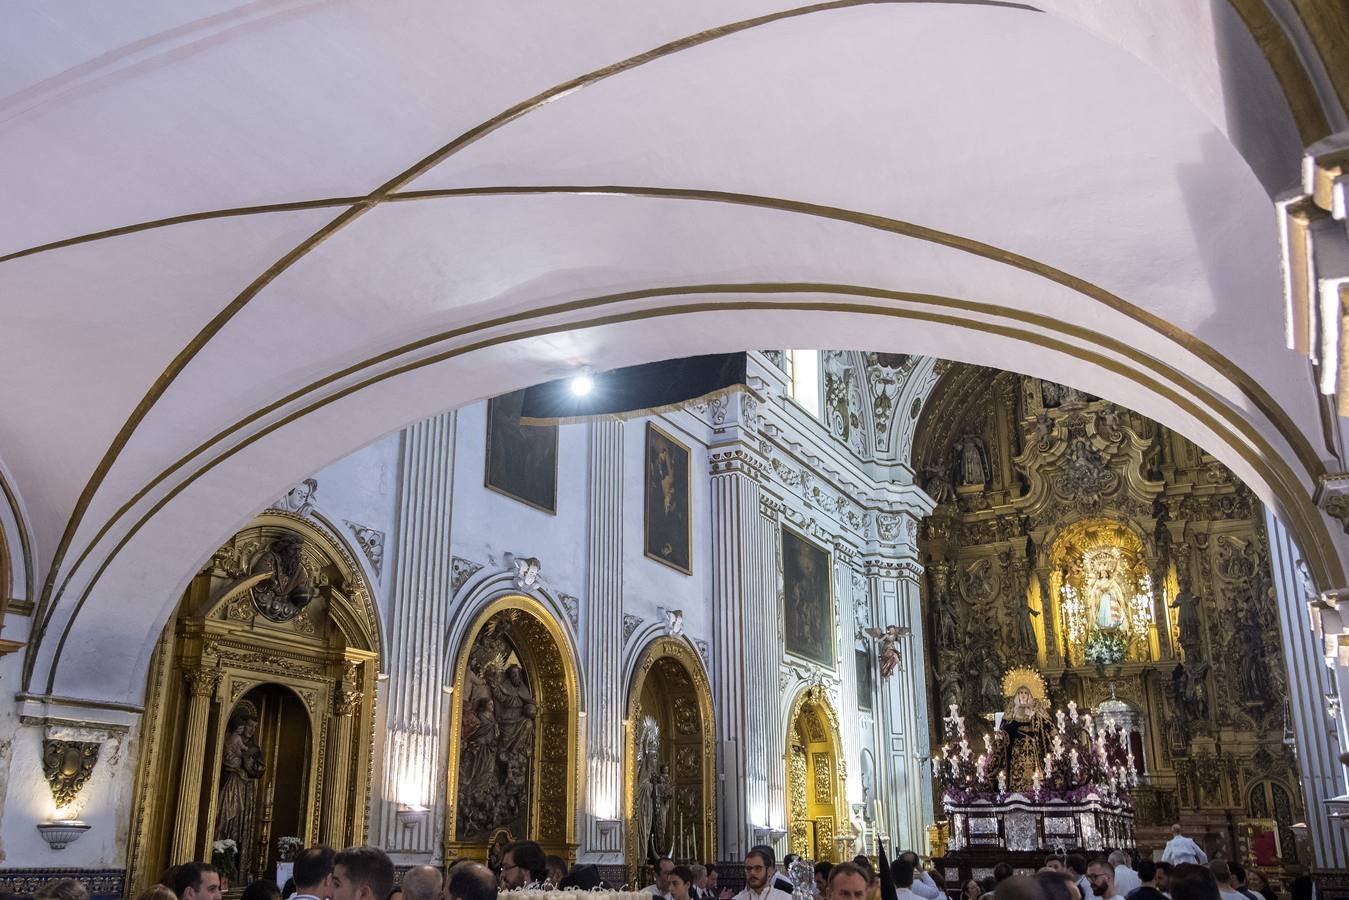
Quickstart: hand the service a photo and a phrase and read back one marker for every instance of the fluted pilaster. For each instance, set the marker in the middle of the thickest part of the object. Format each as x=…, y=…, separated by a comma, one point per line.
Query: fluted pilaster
x=744, y=579
x=418, y=619
x=202, y=684
x=603, y=630
x=1309, y=685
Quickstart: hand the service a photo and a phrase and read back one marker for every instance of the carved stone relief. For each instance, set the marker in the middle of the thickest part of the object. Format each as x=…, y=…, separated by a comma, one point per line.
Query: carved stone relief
x=371, y=542
x=461, y=570
x=67, y=766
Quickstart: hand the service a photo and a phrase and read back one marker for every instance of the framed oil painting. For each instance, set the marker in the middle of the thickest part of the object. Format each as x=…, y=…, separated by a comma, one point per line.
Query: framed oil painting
x=521, y=459
x=666, y=478
x=865, y=679
x=808, y=606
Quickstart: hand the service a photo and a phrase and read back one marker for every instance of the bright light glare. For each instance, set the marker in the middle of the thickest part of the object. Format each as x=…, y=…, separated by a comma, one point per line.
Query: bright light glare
x=582, y=385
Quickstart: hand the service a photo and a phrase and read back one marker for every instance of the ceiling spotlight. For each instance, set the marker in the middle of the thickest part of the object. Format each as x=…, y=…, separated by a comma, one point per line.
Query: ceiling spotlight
x=582, y=384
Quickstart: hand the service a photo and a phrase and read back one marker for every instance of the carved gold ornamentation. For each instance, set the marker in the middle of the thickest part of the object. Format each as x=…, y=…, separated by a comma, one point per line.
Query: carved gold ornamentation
x=204, y=682
x=824, y=777
x=68, y=765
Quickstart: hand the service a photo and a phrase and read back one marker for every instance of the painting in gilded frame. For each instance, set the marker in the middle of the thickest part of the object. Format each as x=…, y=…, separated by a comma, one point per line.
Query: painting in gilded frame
x=808, y=601
x=666, y=478
x=521, y=459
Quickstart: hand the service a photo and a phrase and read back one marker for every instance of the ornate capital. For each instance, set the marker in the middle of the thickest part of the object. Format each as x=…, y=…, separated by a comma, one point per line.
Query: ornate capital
x=203, y=682
x=68, y=765
x=347, y=694
x=735, y=460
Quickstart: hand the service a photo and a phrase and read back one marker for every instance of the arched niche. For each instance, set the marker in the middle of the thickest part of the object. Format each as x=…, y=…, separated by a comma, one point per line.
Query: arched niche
x=817, y=813
x=671, y=757
x=280, y=619
x=514, y=727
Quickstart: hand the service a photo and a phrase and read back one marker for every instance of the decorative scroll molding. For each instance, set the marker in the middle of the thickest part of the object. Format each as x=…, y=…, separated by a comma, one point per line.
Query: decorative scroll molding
x=630, y=624
x=573, y=607
x=371, y=542
x=461, y=570
x=67, y=766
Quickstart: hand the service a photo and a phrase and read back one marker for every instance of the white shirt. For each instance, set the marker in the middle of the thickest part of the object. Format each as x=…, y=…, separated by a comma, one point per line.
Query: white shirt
x=924, y=886
x=651, y=889
x=1181, y=849
x=1229, y=894
x=1126, y=880
x=905, y=893
x=1084, y=885
x=768, y=893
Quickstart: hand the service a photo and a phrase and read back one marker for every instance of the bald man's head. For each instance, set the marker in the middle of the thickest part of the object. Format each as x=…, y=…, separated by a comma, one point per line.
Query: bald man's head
x=471, y=881
x=422, y=883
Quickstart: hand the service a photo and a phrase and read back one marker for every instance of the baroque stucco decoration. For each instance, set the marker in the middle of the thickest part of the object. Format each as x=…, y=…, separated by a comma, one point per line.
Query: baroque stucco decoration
x=67, y=766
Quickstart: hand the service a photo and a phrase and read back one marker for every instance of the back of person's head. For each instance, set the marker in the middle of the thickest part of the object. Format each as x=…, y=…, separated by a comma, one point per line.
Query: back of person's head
x=1017, y=887
x=1147, y=870
x=555, y=865
x=422, y=883
x=1120, y=858
x=683, y=873
x=1001, y=872
x=1238, y=871
x=1077, y=864
x=156, y=892
x=1221, y=871
x=366, y=866
x=901, y=870
x=766, y=852
x=262, y=889
x=1054, y=884
x=845, y=869
x=583, y=877
x=1302, y=888
x=312, y=865
x=474, y=881
x=62, y=889
x=529, y=856
x=1193, y=882
x=822, y=869
x=911, y=857
x=862, y=864
x=1175, y=829
x=189, y=875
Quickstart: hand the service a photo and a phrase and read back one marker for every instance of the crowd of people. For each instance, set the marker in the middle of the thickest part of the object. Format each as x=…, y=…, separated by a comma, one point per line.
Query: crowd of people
x=367, y=873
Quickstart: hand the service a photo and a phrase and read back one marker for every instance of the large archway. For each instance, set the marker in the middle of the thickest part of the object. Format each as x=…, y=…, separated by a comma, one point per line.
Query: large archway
x=346, y=294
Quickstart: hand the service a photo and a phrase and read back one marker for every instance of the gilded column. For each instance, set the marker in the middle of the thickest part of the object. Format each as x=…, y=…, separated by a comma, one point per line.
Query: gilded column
x=418, y=617
x=202, y=684
x=337, y=782
x=1310, y=687
x=603, y=653
x=744, y=587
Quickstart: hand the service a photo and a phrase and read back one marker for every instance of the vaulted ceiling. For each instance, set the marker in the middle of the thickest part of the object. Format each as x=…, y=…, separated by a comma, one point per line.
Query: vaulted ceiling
x=247, y=238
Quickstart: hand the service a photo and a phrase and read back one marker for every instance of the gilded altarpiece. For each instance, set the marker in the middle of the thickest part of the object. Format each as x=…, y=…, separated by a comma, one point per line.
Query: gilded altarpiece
x=259, y=705
x=513, y=766
x=816, y=777
x=1131, y=568
x=670, y=779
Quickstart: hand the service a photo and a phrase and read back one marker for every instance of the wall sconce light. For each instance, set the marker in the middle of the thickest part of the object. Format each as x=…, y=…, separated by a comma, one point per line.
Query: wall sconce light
x=60, y=832
x=411, y=816
x=607, y=826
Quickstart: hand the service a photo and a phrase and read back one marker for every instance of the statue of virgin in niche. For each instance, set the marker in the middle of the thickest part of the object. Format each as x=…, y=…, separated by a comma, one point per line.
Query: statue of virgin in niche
x=648, y=771
x=240, y=767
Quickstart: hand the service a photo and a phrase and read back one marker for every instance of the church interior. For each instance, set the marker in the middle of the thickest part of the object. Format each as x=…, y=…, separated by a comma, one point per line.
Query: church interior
x=389, y=456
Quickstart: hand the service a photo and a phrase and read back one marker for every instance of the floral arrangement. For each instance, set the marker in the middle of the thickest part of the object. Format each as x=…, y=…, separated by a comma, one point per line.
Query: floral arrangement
x=1083, y=759
x=1105, y=648
x=288, y=847
x=225, y=857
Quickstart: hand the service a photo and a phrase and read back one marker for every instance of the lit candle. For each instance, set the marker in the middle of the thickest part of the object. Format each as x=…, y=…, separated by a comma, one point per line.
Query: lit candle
x=1002, y=782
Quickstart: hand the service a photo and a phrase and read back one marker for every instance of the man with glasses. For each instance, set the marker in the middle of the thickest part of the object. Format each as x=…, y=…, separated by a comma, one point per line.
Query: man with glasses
x=759, y=873
x=524, y=865
x=1102, y=877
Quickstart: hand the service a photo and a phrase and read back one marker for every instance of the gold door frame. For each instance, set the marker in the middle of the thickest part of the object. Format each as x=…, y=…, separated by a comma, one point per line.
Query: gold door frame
x=566, y=678
x=815, y=695
x=211, y=653
x=691, y=662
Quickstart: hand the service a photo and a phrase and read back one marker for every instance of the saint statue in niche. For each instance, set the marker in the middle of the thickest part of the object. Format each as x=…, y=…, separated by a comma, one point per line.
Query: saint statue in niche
x=1109, y=609
x=971, y=461
x=496, y=751
x=648, y=773
x=240, y=767
x=1186, y=606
